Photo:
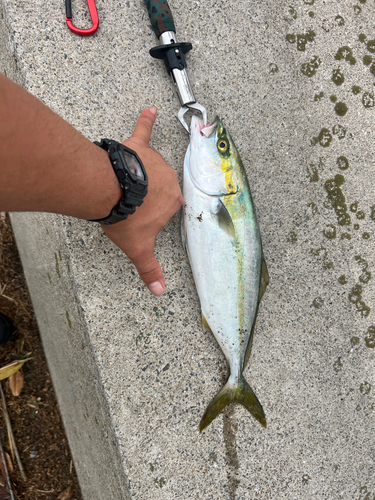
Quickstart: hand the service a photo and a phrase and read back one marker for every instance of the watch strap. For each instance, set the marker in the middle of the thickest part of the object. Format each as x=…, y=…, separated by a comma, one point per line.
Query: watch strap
x=134, y=186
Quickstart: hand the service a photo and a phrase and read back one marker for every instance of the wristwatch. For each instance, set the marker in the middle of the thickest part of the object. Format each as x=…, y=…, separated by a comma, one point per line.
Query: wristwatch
x=132, y=177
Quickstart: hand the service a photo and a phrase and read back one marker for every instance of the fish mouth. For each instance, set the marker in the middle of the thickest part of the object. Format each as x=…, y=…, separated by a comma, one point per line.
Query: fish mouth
x=207, y=131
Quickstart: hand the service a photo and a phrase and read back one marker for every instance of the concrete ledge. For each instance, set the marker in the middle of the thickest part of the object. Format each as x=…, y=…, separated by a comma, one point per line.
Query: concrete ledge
x=49, y=270
x=133, y=374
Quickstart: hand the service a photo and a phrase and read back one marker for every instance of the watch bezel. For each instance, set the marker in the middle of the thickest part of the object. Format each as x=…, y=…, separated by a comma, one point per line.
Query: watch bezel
x=134, y=189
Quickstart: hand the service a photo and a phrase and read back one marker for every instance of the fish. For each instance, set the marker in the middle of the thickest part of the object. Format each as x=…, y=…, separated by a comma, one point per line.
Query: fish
x=221, y=235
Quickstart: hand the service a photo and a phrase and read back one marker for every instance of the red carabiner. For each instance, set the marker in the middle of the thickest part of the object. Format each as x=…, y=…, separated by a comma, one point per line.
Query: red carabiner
x=93, y=14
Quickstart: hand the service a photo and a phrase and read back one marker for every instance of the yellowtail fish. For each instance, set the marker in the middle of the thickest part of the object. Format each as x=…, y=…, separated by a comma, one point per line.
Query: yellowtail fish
x=221, y=234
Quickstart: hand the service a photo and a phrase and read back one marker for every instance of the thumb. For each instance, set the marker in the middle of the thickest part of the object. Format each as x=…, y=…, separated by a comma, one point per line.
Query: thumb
x=150, y=272
x=145, y=122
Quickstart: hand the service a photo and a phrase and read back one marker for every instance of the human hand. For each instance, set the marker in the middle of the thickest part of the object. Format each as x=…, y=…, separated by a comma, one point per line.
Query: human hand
x=136, y=235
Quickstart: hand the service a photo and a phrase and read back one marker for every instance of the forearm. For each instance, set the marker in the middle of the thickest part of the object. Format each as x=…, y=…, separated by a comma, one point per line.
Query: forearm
x=46, y=165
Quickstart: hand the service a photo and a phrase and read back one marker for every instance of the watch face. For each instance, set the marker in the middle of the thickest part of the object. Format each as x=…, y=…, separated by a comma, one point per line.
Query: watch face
x=133, y=165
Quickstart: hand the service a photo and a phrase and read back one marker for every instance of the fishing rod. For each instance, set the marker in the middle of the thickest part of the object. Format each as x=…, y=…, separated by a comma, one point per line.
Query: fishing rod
x=173, y=55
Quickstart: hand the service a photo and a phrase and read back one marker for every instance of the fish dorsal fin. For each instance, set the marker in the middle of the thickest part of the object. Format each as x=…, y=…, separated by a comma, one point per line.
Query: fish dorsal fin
x=264, y=280
x=224, y=219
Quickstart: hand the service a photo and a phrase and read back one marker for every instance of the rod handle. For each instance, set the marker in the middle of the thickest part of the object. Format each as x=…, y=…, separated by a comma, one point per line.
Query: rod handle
x=160, y=16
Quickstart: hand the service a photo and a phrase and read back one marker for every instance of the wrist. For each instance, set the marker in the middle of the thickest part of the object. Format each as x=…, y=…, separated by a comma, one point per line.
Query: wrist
x=97, y=189
x=106, y=186
x=131, y=176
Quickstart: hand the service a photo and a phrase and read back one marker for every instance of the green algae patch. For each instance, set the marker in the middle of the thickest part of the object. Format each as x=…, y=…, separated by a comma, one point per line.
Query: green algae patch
x=330, y=232
x=318, y=302
x=355, y=297
x=310, y=68
x=354, y=341
x=342, y=280
x=292, y=237
x=159, y=483
x=345, y=53
x=342, y=162
x=368, y=100
x=322, y=255
x=337, y=199
x=337, y=365
x=366, y=275
x=367, y=60
x=370, y=337
x=341, y=109
x=325, y=138
x=340, y=131
x=313, y=170
x=273, y=68
x=305, y=479
x=338, y=77
x=365, y=388
x=301, y=38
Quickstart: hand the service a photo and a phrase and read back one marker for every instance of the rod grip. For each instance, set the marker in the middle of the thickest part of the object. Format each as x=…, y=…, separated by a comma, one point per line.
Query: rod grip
x=160, y=16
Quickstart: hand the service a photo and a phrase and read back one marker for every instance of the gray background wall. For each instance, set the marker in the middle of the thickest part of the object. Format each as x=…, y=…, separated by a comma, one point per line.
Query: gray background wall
x=134, y=373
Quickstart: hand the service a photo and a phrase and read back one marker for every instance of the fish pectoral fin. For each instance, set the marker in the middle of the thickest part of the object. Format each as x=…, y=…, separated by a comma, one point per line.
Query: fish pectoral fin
x=205, y=325
x=241, y=393
x=224, y=219
x=264, y=279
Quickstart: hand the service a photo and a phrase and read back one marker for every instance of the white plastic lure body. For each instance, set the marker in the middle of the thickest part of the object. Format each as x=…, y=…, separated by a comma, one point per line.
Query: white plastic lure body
x=222, y=239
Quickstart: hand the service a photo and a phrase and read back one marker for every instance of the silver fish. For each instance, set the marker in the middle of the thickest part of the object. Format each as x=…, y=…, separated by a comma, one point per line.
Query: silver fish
x=221, y=234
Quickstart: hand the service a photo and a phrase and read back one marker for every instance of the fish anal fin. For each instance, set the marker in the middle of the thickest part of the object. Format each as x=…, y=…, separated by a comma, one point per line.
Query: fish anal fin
x=264, y=279
x=248, y=350
x=241, y=393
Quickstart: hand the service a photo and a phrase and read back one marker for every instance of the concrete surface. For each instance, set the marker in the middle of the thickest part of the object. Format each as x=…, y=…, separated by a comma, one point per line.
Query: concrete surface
x=134, y=373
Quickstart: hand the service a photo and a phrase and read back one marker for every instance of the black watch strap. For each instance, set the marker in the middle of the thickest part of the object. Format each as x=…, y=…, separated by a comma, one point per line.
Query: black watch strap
x=132, y=177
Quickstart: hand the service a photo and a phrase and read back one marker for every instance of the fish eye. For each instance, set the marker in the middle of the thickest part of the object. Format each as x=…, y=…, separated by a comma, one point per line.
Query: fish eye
x=222, y=146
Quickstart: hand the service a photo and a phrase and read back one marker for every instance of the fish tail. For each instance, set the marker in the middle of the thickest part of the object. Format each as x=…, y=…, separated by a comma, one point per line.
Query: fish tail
x=233, y=393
